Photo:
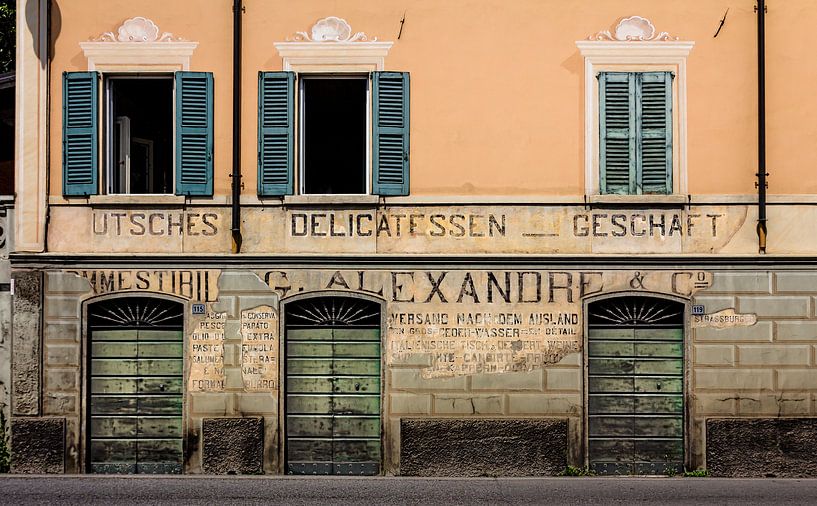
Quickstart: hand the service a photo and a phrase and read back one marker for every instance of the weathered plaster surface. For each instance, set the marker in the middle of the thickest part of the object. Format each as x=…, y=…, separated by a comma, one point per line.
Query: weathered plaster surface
x=37, y=445
x=483, y=447
x=26, y=346
x=762, y=447
x=232, y=445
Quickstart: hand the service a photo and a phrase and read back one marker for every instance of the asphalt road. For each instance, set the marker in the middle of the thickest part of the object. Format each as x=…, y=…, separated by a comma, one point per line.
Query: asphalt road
x=99, y=490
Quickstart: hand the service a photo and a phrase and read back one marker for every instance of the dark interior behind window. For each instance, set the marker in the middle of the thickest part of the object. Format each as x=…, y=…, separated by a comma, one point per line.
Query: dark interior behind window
x=334, y=144
x=142, y=135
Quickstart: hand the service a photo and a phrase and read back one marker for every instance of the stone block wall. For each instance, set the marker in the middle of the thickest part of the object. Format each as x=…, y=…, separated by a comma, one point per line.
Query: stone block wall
x=555, y=391
x=238, y=291
x=767, y=370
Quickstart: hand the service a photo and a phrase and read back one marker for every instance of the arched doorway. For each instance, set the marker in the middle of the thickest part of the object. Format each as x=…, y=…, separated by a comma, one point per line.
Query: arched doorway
x=333, y=386
x=635, y=386
x=135, y=385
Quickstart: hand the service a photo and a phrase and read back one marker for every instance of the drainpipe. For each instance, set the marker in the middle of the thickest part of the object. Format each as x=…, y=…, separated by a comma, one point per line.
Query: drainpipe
x=761, y=126
x=235, y=227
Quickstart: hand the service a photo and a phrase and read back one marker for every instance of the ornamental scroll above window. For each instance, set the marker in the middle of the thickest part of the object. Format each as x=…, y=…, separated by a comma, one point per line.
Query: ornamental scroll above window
x=635, y=111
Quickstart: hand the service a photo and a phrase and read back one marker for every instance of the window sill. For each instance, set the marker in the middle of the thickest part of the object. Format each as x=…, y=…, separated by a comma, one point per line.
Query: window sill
x=639, y=200
x=136, y=200
x=346, y=200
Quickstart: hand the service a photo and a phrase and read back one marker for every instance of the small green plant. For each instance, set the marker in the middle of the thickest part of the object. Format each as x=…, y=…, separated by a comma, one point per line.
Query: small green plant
x=697, y=473
x=670, y=472
x=5, y=456
x=577, y=471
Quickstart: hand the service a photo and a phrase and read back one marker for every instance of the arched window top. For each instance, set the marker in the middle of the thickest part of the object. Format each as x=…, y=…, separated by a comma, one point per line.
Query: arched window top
x=136, y=312
x=636, y=311
x=333, y=311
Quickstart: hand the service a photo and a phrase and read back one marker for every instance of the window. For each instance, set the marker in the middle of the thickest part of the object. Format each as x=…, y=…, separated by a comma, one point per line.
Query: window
x=635, y=127
x=350, y=140
x=625, y=159
x=139, y=116
x=157, y=132
x=334, y=135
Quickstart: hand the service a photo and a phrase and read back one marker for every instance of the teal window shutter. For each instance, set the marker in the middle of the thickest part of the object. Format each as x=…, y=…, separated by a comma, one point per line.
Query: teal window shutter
x=194, y=133
x=654, y=111
x=276, y=133
x=390, y=145
x=635, y=129
x=617, y=128
x=80, y=133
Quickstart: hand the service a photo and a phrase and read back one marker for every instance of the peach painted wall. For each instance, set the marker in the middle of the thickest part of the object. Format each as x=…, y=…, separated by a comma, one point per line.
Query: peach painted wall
x=497, y=85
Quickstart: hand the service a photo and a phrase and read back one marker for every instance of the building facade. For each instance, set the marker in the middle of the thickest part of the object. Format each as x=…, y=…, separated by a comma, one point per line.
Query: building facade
x=434, y=238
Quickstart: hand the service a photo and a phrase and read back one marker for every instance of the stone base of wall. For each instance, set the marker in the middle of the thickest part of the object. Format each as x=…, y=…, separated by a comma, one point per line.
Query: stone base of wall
x=762, y=447
x=482, y=447
x=232, y=445
x=38, y=445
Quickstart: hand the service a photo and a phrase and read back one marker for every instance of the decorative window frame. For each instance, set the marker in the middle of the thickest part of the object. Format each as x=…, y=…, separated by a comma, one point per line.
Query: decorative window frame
x=635, y=47
x=331, y=47
x=138, y=46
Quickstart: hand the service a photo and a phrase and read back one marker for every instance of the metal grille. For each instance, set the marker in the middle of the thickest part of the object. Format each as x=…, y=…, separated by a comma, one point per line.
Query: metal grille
x=635, y=387
x=333, y=311
x=136, y=312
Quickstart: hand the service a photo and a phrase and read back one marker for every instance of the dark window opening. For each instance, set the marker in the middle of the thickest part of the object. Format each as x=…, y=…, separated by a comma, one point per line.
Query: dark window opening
x=334, y=130
x=7, y=133
x=141, y=137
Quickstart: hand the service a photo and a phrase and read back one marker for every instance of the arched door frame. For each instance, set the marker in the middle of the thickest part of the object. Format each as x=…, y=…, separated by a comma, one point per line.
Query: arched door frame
x=687, y=375
x=85, y=368
x=319, y=294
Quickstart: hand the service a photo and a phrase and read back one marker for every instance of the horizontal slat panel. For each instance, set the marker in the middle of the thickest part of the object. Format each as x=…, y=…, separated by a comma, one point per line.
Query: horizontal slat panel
x=641, y=404
x=114, y=427
x=113, y=349
x=356, y=334
x=356, y=451
x=346, y=367
x=114, y=335
x=632, y=426
x=309, y=425
x=161, y=335
x=113, y=450
x=160, y=427
x=159, y=450
x=309, y=450
x=326, y=384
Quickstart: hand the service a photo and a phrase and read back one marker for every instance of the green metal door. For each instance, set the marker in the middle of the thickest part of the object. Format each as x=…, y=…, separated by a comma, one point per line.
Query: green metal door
x=636, y=387
x=135, y=394
x=333, y=389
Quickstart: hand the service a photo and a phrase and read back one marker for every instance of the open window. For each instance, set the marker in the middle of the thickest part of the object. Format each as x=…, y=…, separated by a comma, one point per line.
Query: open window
x=156, y=133
x=139, y=113
x=353, y=135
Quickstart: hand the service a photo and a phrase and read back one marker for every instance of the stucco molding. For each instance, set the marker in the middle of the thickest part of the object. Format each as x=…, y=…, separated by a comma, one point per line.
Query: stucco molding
x=633, y=28
x=138, y=45
x=634, y=46
x=332, y=46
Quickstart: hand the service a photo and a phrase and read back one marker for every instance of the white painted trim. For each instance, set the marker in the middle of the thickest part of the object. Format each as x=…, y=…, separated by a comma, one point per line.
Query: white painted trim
x=329, y=57
x=624, y=55
x=138, y=56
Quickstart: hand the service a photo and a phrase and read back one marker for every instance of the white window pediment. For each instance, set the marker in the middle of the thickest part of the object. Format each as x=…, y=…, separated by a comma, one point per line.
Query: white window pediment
x=138, y=45
x=331, y=46
x=634, y=45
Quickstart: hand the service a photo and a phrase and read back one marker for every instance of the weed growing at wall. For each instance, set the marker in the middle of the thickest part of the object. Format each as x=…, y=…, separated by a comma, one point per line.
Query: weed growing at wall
x=5, y=456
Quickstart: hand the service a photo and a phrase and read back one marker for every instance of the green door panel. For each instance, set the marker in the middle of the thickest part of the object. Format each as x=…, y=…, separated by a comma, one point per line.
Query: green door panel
x=635, y=399
x=135, y=392
x=333, y=400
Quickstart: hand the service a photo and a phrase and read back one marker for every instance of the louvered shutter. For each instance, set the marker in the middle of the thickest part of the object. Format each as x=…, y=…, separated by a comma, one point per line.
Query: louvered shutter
x=194, y=133
x=276, y=133
x=80, y=133
x=617, y=128
x=654, y=111
x=390, y=149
